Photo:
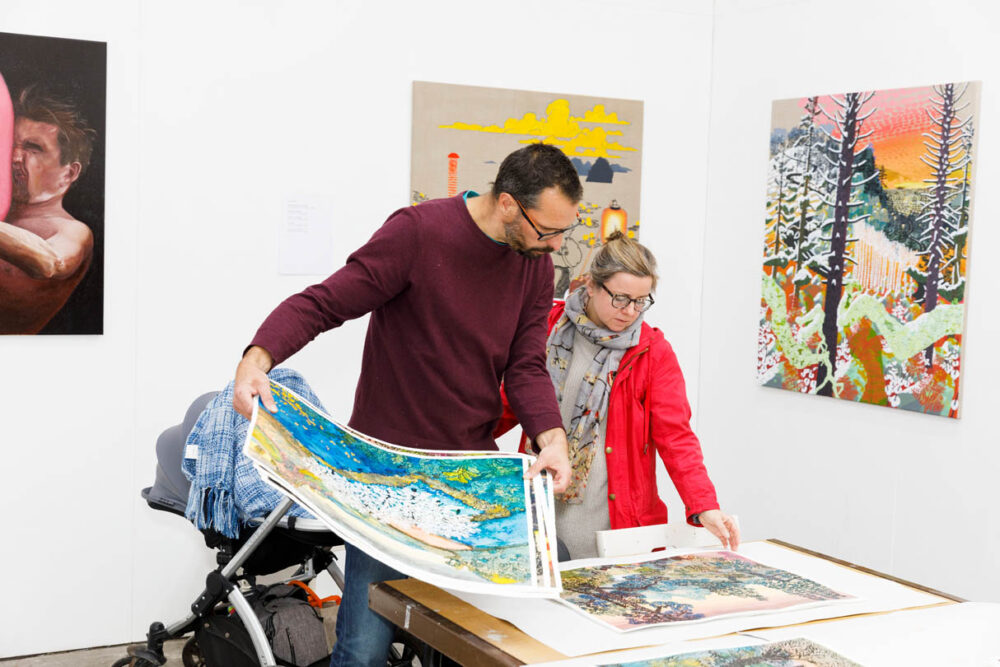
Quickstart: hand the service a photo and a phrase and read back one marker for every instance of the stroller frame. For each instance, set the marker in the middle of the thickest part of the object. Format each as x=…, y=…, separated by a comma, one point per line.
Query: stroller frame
x=310, y=542
x=222, y=584
x=304, y=541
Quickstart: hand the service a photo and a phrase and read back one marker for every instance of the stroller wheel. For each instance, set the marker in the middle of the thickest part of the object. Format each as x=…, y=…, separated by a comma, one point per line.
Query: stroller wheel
x=191, y=654
x=124, y=662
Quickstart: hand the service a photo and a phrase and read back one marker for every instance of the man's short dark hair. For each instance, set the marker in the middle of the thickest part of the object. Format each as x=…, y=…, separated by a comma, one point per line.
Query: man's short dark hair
x=76, y=137
x=529, y=170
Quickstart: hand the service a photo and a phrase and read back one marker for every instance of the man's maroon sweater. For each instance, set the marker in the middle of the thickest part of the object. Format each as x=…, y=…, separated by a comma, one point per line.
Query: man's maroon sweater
x=452, y=314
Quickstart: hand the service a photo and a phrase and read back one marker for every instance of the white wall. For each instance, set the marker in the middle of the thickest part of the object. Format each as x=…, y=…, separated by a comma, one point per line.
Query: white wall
x=68, y=404
x=235, y=109
x=213, y=121
x=893, y=490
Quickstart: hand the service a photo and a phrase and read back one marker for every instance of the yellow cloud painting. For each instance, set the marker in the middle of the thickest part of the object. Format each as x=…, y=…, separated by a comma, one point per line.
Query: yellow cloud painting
x=561, y=128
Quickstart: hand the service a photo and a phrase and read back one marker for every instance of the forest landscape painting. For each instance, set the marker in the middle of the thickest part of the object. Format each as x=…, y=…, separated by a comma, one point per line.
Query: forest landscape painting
x=788, y=653
x=866, y=246
x=685, y=588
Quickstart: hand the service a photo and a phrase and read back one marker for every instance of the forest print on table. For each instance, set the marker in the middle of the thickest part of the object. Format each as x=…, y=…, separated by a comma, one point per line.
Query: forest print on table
x=869, y=201
x=789, y=653
x=690, y=587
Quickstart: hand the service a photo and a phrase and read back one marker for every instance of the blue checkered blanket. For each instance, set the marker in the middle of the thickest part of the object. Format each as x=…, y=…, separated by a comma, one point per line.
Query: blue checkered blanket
x=226, y=490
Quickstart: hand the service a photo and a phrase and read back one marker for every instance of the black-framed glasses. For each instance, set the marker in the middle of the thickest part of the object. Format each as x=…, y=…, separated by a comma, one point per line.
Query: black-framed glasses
x=545, y=235
x=621, y=301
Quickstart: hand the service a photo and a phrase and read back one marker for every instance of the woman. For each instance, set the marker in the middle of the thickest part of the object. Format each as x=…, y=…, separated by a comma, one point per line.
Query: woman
x=623, y=400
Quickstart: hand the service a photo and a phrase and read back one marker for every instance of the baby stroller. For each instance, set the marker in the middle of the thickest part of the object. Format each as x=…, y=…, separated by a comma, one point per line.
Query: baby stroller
x=270, y=545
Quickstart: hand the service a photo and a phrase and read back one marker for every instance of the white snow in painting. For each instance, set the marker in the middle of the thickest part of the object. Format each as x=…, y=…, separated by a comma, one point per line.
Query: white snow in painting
x=408, y=505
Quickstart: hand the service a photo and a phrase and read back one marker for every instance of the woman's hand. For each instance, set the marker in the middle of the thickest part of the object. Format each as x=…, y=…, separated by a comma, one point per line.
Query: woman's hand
x=722, y=526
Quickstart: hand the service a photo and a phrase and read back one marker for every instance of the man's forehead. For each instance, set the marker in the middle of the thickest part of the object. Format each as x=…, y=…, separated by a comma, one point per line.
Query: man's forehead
x=27, y=128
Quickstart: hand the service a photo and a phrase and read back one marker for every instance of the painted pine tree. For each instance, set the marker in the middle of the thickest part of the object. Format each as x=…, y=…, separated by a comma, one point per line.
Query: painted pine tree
x=956, y=268
x=947, y=154
x=780, y=209
x=848, y=119
x=805, y=177
x=812, y=176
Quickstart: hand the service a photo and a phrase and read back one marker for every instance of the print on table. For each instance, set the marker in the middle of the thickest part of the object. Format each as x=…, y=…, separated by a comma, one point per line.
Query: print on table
x=691, y=587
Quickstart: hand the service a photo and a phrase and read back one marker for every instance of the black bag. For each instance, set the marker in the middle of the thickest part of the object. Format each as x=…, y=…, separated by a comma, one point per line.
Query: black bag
x=223, y=641
x=294, y=630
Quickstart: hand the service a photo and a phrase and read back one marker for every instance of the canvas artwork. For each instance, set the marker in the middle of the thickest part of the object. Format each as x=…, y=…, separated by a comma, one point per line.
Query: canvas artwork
x=691, y=587
x=52, y=138
x=462, y=133
x=866, y=245
x=466, y=521
x=789, y=653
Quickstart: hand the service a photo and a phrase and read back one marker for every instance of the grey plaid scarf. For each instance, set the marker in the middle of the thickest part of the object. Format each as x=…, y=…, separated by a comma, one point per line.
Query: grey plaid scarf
x=592, y=397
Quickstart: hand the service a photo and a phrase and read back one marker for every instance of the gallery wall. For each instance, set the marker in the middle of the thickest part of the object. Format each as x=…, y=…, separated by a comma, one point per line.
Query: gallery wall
x=69, y=402
x=902, y=492
x=214, y=123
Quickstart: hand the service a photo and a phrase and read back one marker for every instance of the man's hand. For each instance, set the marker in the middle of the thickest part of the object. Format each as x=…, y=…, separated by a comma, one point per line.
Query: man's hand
x=554, y=457
x=722, y=526
x=251, y=381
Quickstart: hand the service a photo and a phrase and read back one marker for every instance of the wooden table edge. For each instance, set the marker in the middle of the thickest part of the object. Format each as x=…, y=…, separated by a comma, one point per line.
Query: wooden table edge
x=445, y=635
x=466, y=647
x=866, y=570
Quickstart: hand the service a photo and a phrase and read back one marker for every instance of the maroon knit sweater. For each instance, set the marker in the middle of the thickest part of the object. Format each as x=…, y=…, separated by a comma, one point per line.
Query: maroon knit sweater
x=452, y=314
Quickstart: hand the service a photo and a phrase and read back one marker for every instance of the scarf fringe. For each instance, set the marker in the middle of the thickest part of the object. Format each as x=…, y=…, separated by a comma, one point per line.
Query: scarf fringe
x=216, y=510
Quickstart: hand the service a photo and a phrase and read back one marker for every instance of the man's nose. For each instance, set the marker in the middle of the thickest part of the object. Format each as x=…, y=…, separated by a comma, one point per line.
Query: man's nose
x=555, y=242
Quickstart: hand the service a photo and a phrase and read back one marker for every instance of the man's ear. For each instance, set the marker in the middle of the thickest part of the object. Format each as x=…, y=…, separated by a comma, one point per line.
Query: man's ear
x=71, y=173
x=507, y=204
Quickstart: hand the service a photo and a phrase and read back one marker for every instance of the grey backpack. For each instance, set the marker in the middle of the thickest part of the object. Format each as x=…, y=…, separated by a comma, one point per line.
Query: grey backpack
x=293, y=627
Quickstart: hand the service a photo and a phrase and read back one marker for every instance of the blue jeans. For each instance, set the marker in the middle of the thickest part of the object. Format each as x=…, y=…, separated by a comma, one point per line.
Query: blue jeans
x=363, y=637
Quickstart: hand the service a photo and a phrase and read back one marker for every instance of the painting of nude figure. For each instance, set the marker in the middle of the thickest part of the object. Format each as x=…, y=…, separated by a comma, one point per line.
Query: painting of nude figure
x=52, y=157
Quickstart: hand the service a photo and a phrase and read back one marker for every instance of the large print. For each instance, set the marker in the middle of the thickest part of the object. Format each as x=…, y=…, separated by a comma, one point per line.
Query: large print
x=788, y=653
x=52, y=117
x=686, y=588
x=462, y=520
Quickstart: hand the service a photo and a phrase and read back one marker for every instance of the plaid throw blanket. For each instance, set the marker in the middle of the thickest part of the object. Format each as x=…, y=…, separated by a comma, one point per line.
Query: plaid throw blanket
x=226, y=490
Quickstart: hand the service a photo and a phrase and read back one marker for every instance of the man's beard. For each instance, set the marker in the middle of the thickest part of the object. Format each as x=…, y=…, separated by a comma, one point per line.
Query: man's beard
x=513, y=238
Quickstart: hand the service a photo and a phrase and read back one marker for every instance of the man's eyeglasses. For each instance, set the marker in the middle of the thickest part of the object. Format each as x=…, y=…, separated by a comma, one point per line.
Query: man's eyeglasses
x=544, y=235
x=621, y=301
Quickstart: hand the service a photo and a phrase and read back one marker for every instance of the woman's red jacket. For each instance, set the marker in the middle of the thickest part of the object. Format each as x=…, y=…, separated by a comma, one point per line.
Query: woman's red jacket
x=648, y=414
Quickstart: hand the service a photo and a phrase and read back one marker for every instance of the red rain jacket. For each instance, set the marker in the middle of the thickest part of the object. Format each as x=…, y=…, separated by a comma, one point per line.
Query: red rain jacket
x=648, y=413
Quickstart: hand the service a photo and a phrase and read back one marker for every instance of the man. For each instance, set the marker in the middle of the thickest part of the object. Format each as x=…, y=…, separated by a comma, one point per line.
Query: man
x=44, y=251
x=459, y=291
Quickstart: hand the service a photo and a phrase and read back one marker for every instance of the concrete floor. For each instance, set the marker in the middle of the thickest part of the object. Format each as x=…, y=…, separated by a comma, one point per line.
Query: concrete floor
x=93, y=657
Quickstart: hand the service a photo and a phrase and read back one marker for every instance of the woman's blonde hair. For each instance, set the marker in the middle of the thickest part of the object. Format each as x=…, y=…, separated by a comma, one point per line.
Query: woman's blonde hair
x=621, y=254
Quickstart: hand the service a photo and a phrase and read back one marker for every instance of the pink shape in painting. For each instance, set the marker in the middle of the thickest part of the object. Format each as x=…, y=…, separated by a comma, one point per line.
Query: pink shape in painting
x=6, y=146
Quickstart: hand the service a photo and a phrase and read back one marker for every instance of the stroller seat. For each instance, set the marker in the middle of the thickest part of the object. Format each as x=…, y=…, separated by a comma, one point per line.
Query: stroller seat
x=264, y=546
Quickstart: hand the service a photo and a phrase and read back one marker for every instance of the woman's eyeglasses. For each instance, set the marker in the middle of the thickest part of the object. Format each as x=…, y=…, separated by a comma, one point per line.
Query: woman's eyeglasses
x=621, y=301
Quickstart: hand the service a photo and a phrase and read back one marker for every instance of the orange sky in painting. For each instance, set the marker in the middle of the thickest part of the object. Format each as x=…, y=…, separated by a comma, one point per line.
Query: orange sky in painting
x=897, y=127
